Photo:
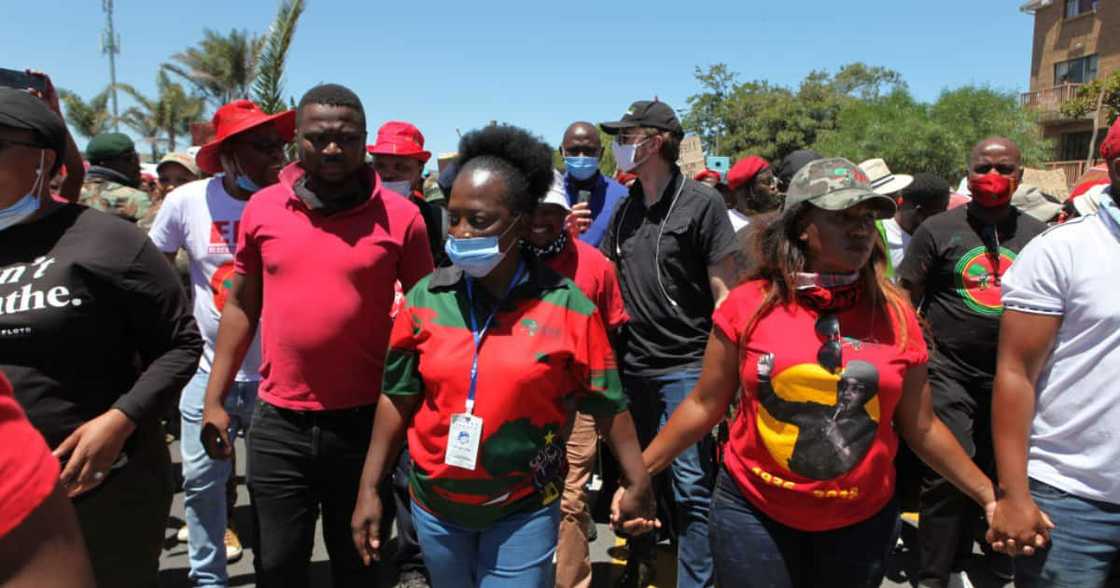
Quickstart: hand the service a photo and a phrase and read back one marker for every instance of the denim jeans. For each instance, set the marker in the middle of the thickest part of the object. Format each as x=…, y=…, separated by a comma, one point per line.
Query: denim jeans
x=652, y=402
x=1084, y=544
x=515, y=552
x=753, y=550
x=204, y=479
x=302, y=463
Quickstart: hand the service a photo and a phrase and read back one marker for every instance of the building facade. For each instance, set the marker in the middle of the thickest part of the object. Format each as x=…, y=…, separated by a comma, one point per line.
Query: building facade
x=1075, y=42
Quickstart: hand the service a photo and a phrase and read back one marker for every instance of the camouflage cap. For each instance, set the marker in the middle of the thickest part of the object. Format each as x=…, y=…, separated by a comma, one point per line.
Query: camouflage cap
x=835, y=184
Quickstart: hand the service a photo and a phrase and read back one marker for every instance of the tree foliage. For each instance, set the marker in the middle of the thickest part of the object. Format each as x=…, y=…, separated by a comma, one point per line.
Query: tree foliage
x=1085, y=102
x=165, y=117
x=860, y=112
x=88, y=119
x=268, y=88
x=222, y=68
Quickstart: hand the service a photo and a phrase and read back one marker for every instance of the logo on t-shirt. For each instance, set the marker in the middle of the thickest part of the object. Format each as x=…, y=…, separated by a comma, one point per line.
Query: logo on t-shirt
x=221, y=283
x=223, y=237
x=814, y=423
x=978, y=281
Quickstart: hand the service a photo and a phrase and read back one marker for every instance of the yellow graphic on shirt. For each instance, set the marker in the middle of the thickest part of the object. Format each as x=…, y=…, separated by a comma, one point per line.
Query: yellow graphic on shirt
x=803, y=426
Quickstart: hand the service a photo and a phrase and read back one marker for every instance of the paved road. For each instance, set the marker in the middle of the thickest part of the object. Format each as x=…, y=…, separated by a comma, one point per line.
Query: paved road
x=173, y=564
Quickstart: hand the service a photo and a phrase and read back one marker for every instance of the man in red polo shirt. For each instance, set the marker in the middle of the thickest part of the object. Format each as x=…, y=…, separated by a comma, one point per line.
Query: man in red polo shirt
x=316, y=260
x=594, y=275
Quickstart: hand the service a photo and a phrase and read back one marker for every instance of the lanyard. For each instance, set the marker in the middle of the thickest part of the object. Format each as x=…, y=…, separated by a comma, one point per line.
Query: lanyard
x=480, y=334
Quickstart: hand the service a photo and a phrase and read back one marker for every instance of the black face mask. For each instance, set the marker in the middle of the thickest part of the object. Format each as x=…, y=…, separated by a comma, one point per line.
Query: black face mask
x=548, y=251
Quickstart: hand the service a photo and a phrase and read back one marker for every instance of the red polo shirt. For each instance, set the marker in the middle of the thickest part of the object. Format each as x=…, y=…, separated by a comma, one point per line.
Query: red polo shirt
x=594, y=275
x=328, y=290
x=28, y=471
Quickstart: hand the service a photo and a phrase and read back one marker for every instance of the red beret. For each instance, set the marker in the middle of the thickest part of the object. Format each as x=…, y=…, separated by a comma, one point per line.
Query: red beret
x=745, y=170
x=1110, y=148
x=707, y=173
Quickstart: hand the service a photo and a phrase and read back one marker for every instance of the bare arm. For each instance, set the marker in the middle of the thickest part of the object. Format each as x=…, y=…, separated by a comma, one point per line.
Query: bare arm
x=46, y=550
x=722, y=277
x=1025, y=341
x=702, y=409
x=240, y=317
x=934, y=444
x=389, y=424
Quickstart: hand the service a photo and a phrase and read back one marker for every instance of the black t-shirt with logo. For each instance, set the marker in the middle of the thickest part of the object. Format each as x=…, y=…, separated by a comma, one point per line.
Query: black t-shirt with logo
x=92, y=317
x=954, y=255
x=662, y=257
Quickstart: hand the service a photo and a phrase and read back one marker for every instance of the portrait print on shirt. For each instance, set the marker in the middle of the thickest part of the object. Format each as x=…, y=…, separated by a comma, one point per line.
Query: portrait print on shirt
x=815, y=423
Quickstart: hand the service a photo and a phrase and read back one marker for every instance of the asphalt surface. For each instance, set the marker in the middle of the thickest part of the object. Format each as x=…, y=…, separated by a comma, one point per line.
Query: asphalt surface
x=174, y=564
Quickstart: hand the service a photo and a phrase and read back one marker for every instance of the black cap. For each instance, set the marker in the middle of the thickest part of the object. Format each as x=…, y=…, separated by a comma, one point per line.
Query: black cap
x=793, y=162
x=21, y=110
x=653, y=114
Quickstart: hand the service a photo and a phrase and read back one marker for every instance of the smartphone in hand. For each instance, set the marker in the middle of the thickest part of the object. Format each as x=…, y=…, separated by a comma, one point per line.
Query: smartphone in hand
x=21, y=80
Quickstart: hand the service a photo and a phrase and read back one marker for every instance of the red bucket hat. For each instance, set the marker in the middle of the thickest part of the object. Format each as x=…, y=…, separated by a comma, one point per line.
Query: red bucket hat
x=237, y=117
x=400, y=138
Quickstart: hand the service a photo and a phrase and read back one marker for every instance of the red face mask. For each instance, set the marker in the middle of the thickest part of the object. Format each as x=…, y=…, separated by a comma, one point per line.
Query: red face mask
x=991, y=190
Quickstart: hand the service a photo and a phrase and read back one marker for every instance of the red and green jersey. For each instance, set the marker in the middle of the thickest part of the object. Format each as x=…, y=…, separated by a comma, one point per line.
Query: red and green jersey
x=545, y=355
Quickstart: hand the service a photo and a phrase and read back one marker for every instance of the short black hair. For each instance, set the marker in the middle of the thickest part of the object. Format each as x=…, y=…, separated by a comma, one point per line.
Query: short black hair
x=332, y=95
x=523, y=160
x=926, y=188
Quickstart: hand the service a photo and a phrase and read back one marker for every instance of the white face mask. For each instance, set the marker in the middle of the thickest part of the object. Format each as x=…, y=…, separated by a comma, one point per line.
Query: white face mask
x=624, y=155
x=402, y=187
x=23, y=208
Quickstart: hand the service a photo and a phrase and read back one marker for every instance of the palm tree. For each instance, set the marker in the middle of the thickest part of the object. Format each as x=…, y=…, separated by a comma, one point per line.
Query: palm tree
x=221, y=68
x=169, y=114
x=88, y=119
x=268, y=88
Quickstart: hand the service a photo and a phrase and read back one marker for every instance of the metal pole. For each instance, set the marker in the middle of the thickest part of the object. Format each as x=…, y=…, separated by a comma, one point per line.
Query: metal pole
x=111, y=45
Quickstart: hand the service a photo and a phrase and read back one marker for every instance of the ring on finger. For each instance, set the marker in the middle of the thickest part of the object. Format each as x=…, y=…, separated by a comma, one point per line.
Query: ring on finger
x=98, y=476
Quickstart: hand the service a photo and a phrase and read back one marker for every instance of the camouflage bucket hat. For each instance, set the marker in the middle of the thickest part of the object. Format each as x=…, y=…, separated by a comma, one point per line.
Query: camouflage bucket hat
x=835, y=184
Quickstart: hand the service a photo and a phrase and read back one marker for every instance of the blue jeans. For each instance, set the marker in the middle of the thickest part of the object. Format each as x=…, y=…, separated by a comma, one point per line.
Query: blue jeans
x=1084, y=544
x=515, y=552
x=652, y=402
x=204, y=479
x=751, y=549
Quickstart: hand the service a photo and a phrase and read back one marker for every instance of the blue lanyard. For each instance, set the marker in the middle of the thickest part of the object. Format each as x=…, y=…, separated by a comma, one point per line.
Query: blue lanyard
x=480, y=334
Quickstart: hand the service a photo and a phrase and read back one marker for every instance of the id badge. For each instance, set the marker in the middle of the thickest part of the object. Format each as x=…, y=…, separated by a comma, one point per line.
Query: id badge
x=463, y=439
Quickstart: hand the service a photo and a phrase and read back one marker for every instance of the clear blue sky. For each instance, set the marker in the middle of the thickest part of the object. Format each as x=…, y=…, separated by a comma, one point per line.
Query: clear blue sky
x=455, y=66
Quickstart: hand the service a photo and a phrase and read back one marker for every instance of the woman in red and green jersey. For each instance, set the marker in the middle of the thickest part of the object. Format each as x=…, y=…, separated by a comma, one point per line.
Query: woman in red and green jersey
x=831, y=366
x=489, y=359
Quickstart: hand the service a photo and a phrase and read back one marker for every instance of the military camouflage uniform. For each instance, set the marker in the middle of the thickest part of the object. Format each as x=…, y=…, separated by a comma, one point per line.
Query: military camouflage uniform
x=108, y=196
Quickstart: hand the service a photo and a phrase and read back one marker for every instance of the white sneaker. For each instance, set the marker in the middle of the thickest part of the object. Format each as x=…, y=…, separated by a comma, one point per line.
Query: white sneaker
x=959, y=580
x=183, y=535
x=233, y=547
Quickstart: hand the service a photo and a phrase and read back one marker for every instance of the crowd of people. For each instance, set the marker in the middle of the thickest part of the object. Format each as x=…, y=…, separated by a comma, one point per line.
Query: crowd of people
x=780, y=359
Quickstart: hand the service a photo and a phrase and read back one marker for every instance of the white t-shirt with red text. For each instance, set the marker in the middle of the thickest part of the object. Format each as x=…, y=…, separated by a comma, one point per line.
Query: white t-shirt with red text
x=203, y=219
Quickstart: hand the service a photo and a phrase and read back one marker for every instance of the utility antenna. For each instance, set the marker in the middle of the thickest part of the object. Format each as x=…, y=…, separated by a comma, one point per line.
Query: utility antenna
x=111, y=45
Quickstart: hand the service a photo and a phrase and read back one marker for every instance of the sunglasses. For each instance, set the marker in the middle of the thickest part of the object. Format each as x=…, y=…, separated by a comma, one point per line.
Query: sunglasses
x=580, y=151
x=1003, y=168
x=831, y=354
x=266, y=146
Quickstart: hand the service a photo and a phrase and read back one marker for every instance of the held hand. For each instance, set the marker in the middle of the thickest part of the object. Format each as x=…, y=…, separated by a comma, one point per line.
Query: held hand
x=579, y=220
x=633, y=512
x=365, y=525
x=1018, y=527
x=215, y=432
x=50, y=95
x=91, y=450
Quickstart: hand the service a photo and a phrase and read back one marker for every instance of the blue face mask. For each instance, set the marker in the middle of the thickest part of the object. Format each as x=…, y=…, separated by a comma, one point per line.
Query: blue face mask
x=20, y=211
x=581, y=167
x=477, y=256
x=246, y=183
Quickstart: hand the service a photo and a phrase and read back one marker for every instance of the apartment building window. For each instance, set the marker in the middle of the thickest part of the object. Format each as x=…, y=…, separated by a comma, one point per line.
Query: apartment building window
x=1079, y=7
x=1076, y=71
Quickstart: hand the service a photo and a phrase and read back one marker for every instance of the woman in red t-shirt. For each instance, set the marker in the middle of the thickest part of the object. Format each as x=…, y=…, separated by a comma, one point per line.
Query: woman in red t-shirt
x=830, y=360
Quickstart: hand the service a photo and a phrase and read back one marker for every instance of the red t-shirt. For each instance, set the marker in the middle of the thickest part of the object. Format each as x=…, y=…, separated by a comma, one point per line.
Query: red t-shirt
x=328, y=290
x=594, y=275
x=794, y=454
x=28, y=471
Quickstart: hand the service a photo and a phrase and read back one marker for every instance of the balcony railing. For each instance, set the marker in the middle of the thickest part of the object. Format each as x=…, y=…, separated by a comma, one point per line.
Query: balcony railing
x=1048, y=102
x=1073, y=169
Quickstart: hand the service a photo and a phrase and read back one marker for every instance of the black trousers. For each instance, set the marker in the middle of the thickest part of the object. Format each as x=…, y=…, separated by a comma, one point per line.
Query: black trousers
x=302, y=463
x=408, y=545
x=123, y=520
x=950, y=520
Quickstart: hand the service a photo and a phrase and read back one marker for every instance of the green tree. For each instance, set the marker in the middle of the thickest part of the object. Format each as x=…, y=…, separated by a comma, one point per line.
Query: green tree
x=88, y=119
x=169, y=114
x=222, y=68
x=707, y=110
x=268, y=88
x=974, y=113
x=1098, y=99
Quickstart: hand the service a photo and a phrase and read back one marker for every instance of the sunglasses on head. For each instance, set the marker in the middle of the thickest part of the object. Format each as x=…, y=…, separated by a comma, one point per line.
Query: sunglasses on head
x=1003, y=168
x=831, y=354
